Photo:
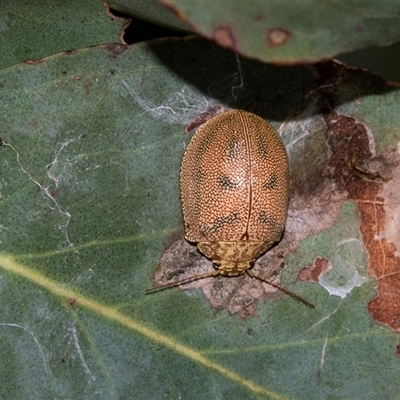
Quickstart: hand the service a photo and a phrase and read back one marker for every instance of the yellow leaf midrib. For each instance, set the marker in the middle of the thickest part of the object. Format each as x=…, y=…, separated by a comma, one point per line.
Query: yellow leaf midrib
x=12, y=266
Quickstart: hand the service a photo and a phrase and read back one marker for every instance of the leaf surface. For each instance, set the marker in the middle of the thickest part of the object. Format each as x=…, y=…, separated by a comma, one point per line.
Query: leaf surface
x=282, y=32
x=33, y=30
x=92, y=144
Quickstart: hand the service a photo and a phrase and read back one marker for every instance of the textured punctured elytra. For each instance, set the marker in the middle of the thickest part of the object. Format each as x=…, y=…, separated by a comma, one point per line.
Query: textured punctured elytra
x=234, y=192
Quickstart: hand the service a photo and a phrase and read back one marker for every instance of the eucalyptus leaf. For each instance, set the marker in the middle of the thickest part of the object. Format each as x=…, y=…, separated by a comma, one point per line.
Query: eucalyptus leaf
x=30, y=30
x=277, y=31
x=89, y=168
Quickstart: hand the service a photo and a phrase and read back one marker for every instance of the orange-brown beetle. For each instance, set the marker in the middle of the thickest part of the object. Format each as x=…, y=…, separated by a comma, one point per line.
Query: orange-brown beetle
x=234, y=192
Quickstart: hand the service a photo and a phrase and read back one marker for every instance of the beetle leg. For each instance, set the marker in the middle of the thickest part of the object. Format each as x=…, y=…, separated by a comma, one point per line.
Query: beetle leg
x=281, y=288
x=182, y=281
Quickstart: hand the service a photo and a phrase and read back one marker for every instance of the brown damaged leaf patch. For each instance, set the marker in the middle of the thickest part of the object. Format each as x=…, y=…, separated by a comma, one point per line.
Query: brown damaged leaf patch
x=199, y=120
x=34, y=62
x=115, y=49
x=278, y=37
x=175, y=10
x=312, y=273
x=238, y=295
x=381, y=234
x=69, y=52
x=349, y=140
x=224, y=36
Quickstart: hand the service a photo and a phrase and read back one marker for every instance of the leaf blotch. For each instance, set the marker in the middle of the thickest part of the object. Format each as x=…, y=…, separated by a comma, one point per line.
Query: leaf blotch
x=278, y=37
x=349, y=140
x=224, y=36
x=312, y=273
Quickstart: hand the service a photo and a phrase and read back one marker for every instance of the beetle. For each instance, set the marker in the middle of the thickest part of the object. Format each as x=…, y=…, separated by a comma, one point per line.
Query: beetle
x=234, y=184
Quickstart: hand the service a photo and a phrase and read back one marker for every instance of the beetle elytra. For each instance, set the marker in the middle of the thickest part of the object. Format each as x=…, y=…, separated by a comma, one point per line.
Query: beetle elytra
x=234, y=191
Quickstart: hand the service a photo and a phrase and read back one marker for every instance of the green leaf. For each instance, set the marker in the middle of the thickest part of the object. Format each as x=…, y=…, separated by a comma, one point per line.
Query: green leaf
x=89, y=169
x=31, y=30
x=304, y=31
x=149, y=10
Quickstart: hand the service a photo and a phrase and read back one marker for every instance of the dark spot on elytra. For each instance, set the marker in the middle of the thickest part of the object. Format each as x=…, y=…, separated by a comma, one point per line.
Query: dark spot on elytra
x=271, y=182
x=233, y=148
x=199, y=176
x=207, y=143
x=219, y=223
x=267, y=219
x=225, y=183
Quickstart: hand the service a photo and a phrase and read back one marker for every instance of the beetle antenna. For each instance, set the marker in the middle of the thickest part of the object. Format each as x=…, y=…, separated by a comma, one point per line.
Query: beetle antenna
x=281, y=288
x=182, y=281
